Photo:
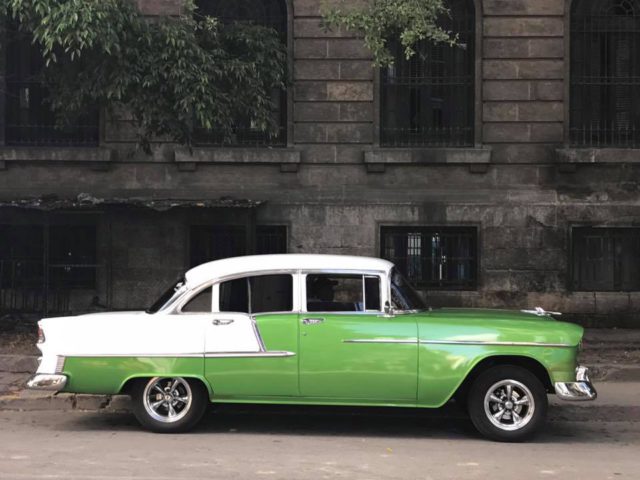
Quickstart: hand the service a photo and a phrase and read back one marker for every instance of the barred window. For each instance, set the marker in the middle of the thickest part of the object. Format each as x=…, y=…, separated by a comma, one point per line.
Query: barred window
x=213, y=242
x=606, y=259
x=605, y=73
x=268, y=13
x=60, y=256
x=433, y=257
x=271, y=239
x=29, y=120
x=428, y=100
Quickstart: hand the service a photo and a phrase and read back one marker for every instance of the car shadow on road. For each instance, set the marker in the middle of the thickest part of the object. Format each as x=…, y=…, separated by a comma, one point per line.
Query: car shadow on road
x=305, y=421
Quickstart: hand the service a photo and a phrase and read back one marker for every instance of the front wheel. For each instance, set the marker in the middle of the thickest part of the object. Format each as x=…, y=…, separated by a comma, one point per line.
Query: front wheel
x=169, y=404
x=507, y=403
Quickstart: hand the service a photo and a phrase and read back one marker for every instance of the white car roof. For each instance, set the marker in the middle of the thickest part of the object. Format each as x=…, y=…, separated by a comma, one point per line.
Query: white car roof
x=291, y=261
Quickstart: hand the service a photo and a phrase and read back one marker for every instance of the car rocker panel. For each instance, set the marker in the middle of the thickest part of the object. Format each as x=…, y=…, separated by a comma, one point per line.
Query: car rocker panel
x=314, y=329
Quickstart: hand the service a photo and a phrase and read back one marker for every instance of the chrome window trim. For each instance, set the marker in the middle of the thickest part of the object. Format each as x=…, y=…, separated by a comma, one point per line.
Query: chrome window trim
x=380, y=274
x=215, y=295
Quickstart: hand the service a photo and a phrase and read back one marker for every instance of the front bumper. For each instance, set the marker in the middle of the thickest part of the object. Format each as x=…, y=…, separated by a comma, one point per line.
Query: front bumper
x=580, y=390
x=47, y=381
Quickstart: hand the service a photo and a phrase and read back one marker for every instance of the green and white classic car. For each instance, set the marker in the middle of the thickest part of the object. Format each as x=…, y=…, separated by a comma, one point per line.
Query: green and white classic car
x=317, y=330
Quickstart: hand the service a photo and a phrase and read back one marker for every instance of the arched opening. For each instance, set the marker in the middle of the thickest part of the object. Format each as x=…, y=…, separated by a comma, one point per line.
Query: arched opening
x=429, y=99
x=267, y=13
x=605, y=73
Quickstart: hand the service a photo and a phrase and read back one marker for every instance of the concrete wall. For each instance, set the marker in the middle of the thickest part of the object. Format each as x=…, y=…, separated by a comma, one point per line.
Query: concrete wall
x=333, y=186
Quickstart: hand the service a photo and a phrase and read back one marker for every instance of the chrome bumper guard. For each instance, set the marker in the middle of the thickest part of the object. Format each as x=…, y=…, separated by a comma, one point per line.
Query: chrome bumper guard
x=47, y=381
x=580, y=390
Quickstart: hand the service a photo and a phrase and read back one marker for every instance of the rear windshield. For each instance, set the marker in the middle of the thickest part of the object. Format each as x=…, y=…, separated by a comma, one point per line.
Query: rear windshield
x=175, y=290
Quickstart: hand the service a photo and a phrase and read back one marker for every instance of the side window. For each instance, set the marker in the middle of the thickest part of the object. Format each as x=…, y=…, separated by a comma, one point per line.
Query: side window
x=258, y=294
x=372, y=293
x=201, y=303
x=271, y=293
x=234, y=296
x=342, y=293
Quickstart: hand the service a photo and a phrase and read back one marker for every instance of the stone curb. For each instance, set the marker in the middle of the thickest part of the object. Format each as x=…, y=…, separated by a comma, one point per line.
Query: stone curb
x=18, y=363
x=66, y=402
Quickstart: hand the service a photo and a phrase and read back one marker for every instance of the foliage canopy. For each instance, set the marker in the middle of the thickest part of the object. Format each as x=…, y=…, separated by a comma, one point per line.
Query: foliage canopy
x=168, y=73
x=383, y=21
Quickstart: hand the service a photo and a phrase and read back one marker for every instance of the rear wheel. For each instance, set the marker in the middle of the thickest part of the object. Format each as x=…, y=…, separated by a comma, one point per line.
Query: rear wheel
x=507, y=403
x=169, y=404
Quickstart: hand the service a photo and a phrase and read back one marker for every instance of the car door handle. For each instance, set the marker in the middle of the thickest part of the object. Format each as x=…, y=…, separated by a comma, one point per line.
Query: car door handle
x=312, y=321
x=222, y=321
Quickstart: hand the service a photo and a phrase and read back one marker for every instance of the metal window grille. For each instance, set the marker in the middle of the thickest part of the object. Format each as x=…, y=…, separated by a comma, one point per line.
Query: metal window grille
x=428, y=100
x=213, y=242
x=605, y=73
x=269, y=13
x=606, y=259
x=40, y=265
x=271, y=239
x=29, y=120
x=433, y=257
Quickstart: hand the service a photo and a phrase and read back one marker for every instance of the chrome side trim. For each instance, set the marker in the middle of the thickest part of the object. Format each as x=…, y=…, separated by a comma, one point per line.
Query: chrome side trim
x=413, y=341
x=263, y=353
x=136, y=355
x=46, y=381
x=501, y=344
x=457, y=342
x=248, y=354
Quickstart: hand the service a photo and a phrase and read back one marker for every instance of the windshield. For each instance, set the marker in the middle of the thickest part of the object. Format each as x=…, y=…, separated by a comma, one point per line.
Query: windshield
x=403, y=295
x=168, y=296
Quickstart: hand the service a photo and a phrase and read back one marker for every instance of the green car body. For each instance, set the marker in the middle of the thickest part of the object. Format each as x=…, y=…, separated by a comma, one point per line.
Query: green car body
x=371, y=349
x=412, y=359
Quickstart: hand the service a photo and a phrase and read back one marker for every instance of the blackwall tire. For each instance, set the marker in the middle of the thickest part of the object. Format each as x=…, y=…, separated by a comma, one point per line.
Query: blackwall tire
x=169, y=404
x=507, y=403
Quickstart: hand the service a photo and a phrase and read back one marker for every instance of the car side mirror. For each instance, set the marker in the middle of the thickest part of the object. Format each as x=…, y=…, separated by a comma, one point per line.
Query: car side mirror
x=388, y=310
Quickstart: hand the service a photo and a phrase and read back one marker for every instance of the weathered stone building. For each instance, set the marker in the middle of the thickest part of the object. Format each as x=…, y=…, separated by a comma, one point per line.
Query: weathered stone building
x=504, y=172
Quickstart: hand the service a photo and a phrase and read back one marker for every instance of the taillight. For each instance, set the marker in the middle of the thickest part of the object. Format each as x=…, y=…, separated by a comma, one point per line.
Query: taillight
x=41, y=338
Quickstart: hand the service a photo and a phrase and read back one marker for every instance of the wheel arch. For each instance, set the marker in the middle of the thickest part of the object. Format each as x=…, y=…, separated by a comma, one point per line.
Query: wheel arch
x=531, y=364
x=127, y=385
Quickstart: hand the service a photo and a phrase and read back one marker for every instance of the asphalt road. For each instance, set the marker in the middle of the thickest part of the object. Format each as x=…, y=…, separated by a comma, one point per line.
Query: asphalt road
x=271, y=443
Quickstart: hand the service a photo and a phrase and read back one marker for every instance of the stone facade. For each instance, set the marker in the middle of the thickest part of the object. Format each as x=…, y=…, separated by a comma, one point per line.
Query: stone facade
x=334, y=186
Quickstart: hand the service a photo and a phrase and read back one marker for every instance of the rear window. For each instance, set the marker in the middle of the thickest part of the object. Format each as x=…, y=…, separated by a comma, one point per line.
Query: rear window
x=257, y=294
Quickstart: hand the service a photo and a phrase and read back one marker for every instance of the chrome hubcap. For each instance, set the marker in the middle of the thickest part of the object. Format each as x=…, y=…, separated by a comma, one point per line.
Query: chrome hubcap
x=509, y=405
x=167, y=400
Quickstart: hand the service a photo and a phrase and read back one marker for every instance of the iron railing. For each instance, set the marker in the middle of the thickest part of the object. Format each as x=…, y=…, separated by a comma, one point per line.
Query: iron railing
x=241, y=137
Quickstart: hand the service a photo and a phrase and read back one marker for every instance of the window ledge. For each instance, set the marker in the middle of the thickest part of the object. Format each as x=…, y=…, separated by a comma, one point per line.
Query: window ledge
x=287, y=158
x=92, y=155
x=574, y=156
x=477, y=159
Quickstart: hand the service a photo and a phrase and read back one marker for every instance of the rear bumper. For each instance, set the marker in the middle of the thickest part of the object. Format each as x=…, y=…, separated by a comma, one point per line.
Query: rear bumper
x=47, y=381
x=580, y=390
